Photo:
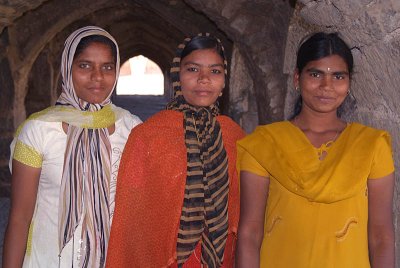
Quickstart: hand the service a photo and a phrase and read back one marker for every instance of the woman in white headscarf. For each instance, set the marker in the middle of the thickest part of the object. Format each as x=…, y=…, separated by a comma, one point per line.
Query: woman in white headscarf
x=65, y=162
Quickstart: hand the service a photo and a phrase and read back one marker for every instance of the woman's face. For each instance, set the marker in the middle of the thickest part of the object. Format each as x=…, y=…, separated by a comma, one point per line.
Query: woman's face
x=202, y=77
x=93, y=73
x=323, y=84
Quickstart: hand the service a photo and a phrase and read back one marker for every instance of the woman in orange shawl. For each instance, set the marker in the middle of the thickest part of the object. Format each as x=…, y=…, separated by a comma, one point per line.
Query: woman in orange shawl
x=177, y=202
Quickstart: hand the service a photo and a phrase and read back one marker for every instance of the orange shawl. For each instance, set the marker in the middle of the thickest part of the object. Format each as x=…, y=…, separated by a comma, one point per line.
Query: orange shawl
x=150, y=190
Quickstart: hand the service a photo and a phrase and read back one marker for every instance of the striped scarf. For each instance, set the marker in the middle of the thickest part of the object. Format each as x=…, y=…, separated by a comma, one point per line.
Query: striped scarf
x=204, y=216
x=84, y=193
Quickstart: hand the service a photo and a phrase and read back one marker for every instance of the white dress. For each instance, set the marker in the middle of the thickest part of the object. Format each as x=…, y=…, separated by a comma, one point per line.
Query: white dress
x=48, y=140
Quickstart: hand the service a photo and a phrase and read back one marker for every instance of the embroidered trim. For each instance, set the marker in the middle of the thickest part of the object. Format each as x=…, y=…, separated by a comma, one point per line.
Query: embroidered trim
x=29, y=240
x=27, y=155
x=274, y=222
x=341, y=235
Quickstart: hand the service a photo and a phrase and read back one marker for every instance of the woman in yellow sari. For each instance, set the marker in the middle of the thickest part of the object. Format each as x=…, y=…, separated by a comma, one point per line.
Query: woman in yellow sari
x=317, y=191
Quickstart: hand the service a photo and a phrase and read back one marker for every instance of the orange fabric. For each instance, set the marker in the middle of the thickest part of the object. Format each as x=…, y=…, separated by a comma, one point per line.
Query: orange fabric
x=150, y=190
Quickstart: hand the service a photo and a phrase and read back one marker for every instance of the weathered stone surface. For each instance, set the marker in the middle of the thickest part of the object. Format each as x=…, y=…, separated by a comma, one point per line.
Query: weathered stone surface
x=321, y=13
x=243, y=107
x=39, y=94
x=259, y=31
x=6, y=119
x=11, y=10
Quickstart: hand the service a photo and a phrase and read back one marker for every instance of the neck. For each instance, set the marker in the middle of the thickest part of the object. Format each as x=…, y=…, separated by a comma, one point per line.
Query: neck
x=318, y=122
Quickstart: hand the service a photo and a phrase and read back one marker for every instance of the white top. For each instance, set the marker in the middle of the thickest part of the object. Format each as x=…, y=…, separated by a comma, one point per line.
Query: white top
x=48, y=139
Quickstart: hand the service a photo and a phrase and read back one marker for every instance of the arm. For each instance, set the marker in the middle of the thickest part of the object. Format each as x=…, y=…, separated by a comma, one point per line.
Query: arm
x=24, y=186
x=380, y=222
x=253, y=199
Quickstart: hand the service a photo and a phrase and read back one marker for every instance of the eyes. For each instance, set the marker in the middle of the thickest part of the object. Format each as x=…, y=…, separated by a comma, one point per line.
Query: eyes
x=90, y=66
x=213, y=70
x=336, y=76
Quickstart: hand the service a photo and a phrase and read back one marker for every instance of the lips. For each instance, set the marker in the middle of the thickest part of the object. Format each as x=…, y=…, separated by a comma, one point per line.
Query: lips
x=96, y=88
x=325, y=99
x=203, y=92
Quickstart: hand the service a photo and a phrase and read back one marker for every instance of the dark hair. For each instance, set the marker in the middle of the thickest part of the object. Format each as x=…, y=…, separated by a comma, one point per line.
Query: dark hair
x=318, y=46
x=203, y=42
x=86, y=41
x=321, y=45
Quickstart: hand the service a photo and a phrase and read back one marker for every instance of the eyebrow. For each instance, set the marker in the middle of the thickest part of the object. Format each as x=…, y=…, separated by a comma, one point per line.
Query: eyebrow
x=89, y=61
x=200, y=65
x=315, y=70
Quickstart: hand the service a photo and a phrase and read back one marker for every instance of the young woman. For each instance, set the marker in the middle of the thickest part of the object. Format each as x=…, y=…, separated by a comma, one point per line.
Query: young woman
x=317, y=191
x=177, y=201
x=65, y=161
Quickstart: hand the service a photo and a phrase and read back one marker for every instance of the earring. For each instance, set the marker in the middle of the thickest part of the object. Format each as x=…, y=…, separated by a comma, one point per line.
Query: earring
x=348, y=92
x=297, y=88
x=220, y=94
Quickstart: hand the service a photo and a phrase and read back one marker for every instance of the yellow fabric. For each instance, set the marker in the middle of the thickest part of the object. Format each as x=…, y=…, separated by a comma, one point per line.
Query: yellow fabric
x=317, y=210
x=29, y=241
x=84, y=119
x=27, y=155
x=249, y=163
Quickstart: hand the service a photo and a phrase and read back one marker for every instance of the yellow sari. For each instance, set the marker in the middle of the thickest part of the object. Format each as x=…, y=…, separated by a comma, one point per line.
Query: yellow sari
x=317, y=210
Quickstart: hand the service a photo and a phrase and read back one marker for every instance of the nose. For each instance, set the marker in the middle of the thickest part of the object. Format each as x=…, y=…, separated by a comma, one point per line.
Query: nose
x=203, y=77
x=326, y=82
x=97, y=74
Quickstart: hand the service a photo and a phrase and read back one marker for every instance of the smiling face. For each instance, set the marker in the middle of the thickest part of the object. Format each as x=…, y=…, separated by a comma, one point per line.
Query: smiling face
x=324, y=84
x=202, y=77
x=94, y=73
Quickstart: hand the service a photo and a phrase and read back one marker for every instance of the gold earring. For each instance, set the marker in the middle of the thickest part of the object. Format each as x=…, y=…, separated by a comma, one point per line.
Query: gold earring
x=220, y=94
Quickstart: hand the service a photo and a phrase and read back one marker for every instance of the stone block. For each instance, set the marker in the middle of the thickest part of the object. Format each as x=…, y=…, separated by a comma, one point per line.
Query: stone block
x=5, y=181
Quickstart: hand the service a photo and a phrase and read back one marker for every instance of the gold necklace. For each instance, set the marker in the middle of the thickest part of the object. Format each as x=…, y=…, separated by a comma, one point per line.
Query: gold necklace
x=322, y=151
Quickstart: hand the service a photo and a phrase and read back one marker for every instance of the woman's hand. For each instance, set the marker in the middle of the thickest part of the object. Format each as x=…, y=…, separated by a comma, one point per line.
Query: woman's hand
x=24, y=187
x=253, y=199
x=380, y=222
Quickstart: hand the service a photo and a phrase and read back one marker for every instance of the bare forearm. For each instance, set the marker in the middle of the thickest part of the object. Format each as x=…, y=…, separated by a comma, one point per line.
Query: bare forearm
x=15, y=244
x=380, y=222
x=248, y=252
x=382, y=253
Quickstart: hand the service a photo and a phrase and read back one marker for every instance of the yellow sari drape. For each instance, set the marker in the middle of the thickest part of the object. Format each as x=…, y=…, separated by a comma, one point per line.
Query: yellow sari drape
x=317, y=210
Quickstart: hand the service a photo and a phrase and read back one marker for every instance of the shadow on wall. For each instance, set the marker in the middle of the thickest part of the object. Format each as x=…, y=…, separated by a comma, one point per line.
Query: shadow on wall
x=142, y=106
x=4, y=209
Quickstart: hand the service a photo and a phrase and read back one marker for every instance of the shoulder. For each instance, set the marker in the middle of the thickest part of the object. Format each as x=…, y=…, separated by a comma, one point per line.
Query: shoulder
x=230, y=127
x=161, y=127
x=165, y=119
x=367, y=132
x=265, y=131
x=33, y=126
x=127, y=122
x=125, y=118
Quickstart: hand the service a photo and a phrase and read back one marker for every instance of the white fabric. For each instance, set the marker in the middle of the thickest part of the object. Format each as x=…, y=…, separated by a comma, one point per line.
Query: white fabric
x=49, y=139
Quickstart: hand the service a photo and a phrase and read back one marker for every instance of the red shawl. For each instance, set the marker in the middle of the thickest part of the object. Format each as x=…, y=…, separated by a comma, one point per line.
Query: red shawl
x=150, y=189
